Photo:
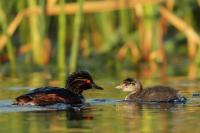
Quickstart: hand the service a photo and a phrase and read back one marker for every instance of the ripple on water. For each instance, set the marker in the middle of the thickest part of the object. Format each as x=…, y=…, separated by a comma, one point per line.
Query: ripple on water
x=6, y=106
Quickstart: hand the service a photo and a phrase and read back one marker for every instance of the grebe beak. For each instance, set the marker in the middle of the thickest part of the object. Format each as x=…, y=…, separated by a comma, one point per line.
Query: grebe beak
x=96, y=86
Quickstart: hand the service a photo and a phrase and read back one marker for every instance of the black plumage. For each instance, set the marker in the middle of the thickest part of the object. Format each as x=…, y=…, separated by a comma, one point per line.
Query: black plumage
x=76, y=83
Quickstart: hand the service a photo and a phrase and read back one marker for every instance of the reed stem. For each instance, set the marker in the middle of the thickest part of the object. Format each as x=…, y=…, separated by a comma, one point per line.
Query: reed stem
x=35, y=35
x=76, y=38
x=61, y=38
x=124, y=22
x=9, y=45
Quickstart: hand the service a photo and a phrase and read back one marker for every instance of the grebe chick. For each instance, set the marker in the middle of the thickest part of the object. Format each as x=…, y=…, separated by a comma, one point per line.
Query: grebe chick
x=151, y=94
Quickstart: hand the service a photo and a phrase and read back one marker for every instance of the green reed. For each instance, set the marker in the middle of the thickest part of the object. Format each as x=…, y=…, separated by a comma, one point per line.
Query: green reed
x=151, y=24
x=35, y=35
x=76, y=37
x=9, y=46
x=124, y=21
x=23, y=27
x=61, y=38
x=104, y=27
x=42, y=20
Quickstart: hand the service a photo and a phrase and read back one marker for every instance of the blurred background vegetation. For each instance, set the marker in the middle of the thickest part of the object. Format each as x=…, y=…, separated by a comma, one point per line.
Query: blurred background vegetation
x=149, y=38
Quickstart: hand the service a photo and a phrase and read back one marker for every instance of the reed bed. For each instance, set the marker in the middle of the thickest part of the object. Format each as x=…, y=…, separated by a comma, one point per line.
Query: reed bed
x=147, y=36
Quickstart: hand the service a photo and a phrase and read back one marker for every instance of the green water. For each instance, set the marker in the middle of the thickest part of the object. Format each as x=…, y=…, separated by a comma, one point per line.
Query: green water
x=102, y=113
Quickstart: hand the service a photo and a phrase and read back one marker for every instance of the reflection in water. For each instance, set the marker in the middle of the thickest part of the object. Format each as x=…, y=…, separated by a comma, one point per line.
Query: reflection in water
x=149, y=118
x=74, y=114
x=76, y=118
x=54, y=121
x=132, y=108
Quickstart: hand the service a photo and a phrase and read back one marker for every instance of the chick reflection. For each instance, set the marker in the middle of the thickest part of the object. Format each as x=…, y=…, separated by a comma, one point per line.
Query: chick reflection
x=158, y=106
x=133, y=109
x=144, y=116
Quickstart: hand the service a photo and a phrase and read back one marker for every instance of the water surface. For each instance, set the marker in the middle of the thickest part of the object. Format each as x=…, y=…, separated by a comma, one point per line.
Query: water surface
x=103, y=112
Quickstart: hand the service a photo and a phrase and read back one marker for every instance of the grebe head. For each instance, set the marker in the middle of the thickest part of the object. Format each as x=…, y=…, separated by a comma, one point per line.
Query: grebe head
x=79, y=81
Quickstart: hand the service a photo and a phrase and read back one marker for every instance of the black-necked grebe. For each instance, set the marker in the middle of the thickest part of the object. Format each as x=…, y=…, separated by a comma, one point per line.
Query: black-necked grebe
x=151, y=94
x=76, y=83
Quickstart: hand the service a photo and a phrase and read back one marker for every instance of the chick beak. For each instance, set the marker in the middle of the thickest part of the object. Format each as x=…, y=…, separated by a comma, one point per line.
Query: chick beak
x=121, y=86
x=97, y=87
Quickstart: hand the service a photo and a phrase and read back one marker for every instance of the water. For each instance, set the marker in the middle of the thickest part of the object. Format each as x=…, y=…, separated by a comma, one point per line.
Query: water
x=104, y=112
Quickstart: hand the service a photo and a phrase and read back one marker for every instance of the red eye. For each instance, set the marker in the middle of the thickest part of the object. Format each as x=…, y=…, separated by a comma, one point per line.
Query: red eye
x=88, y=81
